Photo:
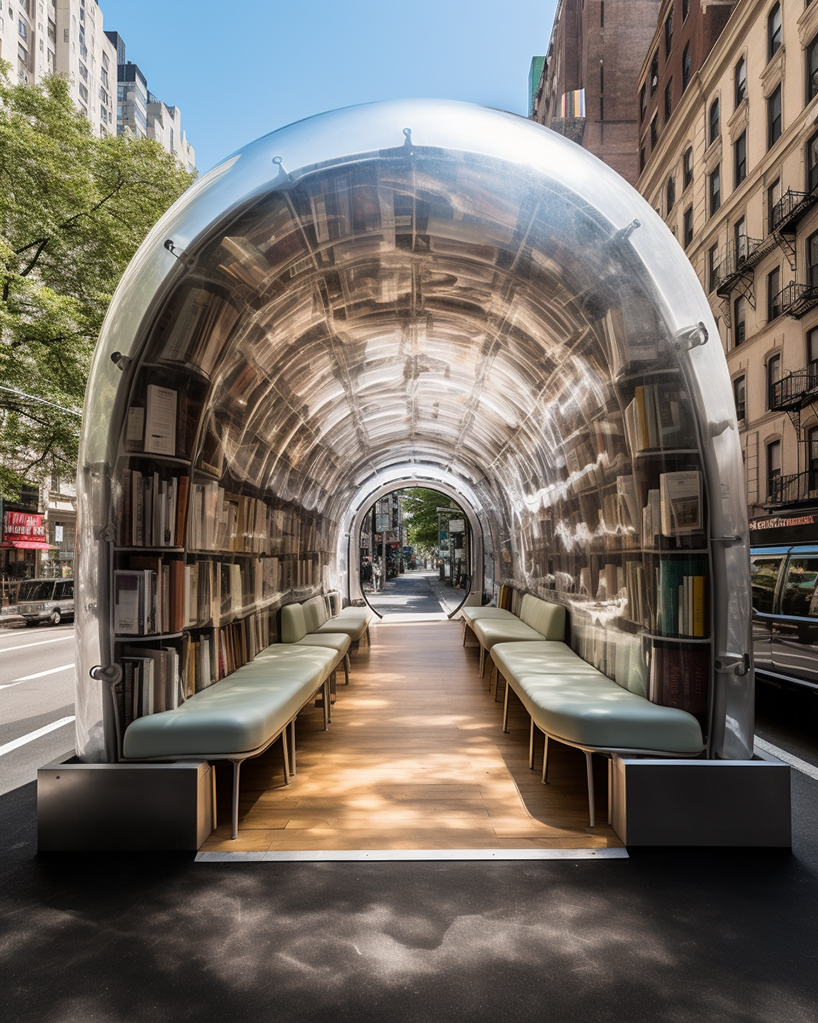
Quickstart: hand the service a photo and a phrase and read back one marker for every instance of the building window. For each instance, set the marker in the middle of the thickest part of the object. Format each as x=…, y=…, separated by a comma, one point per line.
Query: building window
x=671, y=193
x=773, y=376
x=774, y=294
x=812, y=349
x=812, y=163
x=740, y=77
x=654, y=73
x=740, y=397
x=713, y=267
x=740, y=158
x=654, y=133
x=773, y=468
x=774, y=117
x=740, y=241
x=714, y=122
x=687, y=226
x=812, y=260
x=715, y=189
x=773, y=32
x=643, y=101
x=687, y=167
x=739, y=320
x=773, y=198
x=686, y=67
x=668, y=98
x=812, y=69
x=668, y=32
x=812, y=457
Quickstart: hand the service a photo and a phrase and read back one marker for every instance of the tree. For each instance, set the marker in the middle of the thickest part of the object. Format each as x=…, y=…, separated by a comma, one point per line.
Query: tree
x=73, y=210
x=420, y=508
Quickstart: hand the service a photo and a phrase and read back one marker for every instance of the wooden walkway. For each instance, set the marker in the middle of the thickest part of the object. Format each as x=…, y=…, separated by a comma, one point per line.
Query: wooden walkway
x=415, y=759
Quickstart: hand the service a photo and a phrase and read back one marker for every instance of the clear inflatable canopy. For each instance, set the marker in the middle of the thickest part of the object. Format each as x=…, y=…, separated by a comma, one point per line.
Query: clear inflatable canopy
x=425, y=291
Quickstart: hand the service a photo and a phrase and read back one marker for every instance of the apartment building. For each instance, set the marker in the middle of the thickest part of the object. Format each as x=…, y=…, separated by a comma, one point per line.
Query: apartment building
x=729, y=143
x=585, y=86
x=41, y=37
x=140, y=114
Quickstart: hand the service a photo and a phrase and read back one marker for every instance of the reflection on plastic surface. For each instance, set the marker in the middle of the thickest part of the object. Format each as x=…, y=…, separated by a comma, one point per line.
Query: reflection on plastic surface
x=473, y=300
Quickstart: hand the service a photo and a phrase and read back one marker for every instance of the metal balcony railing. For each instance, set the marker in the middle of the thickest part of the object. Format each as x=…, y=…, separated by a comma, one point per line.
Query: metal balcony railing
x=796, y=299
x=737, y=259
x=790, y=208
x=799, y=487
x=795, y=390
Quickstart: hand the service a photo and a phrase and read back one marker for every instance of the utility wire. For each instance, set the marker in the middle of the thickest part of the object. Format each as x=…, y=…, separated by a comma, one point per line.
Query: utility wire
x=31, y=397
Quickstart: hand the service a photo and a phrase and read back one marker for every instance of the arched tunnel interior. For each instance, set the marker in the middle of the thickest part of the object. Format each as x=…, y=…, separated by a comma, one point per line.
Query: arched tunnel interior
x=419, y=294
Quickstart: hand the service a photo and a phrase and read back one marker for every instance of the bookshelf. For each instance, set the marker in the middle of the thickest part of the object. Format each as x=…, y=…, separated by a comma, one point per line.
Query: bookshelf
x=205, y=550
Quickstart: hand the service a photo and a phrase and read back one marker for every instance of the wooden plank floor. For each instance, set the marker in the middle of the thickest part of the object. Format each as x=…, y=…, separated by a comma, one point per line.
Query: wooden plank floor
x=415, y=759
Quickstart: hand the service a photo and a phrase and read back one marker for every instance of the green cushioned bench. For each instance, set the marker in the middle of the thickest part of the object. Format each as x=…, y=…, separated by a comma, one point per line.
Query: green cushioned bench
x=240, y=716
x=352, y=621
x=294, y=631
x=572, y=702
x=538, y=620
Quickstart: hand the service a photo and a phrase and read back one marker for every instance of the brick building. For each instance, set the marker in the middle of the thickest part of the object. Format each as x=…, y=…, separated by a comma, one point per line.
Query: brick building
x=587, y=86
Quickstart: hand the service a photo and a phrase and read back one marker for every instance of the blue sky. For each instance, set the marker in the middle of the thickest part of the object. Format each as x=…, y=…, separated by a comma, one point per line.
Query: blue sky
x=240, y=70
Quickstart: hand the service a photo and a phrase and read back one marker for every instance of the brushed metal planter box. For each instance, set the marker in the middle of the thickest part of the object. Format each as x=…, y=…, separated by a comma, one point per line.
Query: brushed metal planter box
x=124, y=807
x=701, y=802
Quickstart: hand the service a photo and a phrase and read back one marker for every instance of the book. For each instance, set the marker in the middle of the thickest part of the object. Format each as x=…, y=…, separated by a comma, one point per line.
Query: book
x=680, y=502
x=129, y=603
x=160, y=420
x=680, y=678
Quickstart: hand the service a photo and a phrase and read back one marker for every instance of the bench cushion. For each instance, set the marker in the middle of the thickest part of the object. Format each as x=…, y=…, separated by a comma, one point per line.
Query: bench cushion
x=491, y=631
x=337, y=641
x=591, y=710
x=472, y=614
x=543, y=616
x=353, y=627
x=315, y=613
x=517, y=659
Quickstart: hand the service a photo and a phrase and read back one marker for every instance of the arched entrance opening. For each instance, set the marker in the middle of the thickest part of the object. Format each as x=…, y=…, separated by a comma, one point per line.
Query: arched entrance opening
x=415, y=554
x=419, y=293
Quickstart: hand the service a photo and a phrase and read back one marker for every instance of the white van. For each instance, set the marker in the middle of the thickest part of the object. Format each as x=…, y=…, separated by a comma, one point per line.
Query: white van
x=46, y=600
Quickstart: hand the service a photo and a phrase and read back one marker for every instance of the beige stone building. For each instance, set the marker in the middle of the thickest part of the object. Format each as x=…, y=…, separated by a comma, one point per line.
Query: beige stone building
x=41, y=37
x=731, y=164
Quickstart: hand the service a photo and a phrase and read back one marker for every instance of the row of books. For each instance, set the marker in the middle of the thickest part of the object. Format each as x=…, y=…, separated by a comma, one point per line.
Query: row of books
x=203, y=322
x=682, y=598
x=657, y=418
x=148, y=597
x=150, y=683
x=674, y=509
x=152, y=509
x=680, y=678
x=211, y=655
x=163, y=420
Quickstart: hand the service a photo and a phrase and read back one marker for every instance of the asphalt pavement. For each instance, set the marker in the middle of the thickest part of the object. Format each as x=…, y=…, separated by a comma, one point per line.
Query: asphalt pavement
x=416, y=592
x=36, y=700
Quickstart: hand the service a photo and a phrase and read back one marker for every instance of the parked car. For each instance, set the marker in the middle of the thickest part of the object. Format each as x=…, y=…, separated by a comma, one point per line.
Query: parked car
x=785, y=613
x=46, y=600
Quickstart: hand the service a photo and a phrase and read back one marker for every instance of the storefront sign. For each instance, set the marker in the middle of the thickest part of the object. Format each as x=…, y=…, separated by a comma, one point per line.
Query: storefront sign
x=24, y=530
x=779, y=522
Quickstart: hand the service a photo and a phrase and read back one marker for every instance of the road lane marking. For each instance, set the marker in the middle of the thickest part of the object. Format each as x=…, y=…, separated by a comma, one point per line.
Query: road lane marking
x=40, y=674
x=788, y=758
x=16, y=743
x=40, y=642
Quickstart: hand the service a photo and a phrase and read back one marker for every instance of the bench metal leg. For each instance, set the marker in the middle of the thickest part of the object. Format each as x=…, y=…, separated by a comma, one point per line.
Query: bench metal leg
x=531, y=746
x=590, y=770
x=326, y=704
x=292, y=747
x=235, y=812
x=505, y=709
x=346, y=669
x=368, y=640
x=545, y=762
x=492, y=674
x=482, y=661
x=497, y=687
x=465, y=627
x=286, y=756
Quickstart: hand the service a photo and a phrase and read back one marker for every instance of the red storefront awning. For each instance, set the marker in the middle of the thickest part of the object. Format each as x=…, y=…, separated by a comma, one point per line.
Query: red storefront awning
x=25, y=531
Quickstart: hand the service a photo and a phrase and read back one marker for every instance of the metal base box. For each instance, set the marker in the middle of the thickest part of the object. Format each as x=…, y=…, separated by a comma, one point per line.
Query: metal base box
x=126, y=807
x=701, y=802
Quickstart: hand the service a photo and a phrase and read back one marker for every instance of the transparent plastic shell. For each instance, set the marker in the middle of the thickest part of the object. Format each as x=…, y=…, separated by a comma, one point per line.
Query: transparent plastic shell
x=417, y=290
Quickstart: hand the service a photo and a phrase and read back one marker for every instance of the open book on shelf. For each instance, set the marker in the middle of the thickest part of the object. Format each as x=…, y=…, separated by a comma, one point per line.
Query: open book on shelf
x=200, y=329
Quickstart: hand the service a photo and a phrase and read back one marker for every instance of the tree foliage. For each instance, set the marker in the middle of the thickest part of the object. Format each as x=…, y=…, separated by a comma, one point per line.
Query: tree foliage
x=420, y=509
x=73, y=210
